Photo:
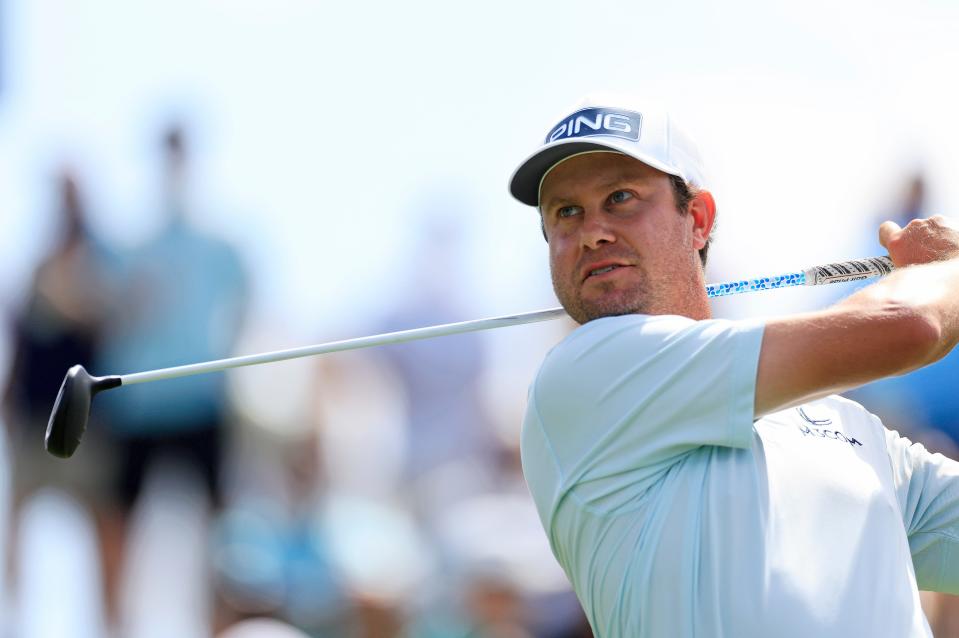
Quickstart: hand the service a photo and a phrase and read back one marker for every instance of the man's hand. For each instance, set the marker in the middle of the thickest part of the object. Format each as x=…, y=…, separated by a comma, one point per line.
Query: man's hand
x=922, y=241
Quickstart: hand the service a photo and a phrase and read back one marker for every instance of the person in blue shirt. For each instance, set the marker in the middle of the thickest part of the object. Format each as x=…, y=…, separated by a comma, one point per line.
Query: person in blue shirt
x=700, y=477
x=184, y=299
x=925, y=399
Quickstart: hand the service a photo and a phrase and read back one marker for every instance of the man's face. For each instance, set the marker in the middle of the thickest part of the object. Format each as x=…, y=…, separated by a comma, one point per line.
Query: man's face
x=617, y=242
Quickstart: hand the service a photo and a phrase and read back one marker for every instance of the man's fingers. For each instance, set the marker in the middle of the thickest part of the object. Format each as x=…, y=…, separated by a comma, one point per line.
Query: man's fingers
x=886, y=232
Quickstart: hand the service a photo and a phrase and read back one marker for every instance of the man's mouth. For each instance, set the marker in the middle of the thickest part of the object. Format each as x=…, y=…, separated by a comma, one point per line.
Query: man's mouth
x=602, y=270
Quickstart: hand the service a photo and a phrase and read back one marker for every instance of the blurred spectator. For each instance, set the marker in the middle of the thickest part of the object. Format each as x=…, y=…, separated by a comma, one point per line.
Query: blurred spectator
x=271, y=555
x=363, y=442
x=60, y=325
x=509, y=581
x=923, y=404
x=184, y=298
x=913, y=201
x=452, y=449
x=492, y=575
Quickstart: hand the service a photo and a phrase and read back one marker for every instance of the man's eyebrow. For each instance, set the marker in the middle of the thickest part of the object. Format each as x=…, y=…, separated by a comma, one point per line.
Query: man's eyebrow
x=620, y=180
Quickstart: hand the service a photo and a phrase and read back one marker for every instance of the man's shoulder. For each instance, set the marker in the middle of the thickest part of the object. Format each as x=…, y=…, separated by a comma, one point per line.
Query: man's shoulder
x=599, y=331
x=605, y=337
x=638, y=351
x=582, y=363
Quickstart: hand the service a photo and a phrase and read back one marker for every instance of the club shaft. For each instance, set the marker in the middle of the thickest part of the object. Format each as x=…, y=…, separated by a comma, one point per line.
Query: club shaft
x=817, y=275
x=348, y=344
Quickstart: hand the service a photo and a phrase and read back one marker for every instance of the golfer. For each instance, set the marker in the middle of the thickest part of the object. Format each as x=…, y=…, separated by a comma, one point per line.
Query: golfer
x=700, y=477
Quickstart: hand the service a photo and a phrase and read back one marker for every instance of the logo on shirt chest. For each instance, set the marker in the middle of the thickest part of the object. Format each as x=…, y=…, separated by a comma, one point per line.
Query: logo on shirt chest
x=818, y=428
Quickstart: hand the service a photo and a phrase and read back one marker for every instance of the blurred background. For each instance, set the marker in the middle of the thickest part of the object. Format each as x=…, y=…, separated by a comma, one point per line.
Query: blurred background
x=189, y=180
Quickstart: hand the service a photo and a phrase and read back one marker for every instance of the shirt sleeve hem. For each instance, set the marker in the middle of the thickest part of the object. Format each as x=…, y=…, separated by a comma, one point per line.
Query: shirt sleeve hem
x=742, y=384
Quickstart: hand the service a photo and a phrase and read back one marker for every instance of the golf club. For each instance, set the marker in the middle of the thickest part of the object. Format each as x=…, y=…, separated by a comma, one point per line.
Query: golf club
x=71, y=411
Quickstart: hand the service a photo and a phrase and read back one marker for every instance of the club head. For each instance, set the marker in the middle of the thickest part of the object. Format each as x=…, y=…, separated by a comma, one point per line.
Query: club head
x=72, y=409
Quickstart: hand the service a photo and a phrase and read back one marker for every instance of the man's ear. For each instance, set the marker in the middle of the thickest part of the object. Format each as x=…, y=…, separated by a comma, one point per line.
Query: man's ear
x=702, y=210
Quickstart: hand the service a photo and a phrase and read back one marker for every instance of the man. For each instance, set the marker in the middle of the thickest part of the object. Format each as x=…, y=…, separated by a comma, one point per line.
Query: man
x=185, y=299
x=697, y=477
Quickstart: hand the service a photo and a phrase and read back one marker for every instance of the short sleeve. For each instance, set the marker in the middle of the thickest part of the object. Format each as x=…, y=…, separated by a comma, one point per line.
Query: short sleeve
x=626, y=393
x=927, y=488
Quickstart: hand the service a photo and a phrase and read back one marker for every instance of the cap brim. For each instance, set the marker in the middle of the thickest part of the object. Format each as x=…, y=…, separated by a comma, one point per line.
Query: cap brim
x=524, y=184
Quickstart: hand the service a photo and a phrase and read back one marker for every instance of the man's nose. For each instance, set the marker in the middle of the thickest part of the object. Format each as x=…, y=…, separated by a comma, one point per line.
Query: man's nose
x=596, y=229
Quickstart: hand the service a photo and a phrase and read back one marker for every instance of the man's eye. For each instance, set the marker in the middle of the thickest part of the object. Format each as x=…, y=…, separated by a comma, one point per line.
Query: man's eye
x=620, y=196
x=567, y=211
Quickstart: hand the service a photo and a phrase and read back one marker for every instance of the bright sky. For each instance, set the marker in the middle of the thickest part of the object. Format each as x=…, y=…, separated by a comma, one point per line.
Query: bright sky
x=326, y=132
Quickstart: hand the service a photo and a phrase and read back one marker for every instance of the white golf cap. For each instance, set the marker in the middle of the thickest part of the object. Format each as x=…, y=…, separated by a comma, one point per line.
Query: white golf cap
x=636, y=128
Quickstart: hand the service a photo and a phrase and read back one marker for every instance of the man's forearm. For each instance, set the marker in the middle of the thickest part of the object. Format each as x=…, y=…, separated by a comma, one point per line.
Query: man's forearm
x=930, y=290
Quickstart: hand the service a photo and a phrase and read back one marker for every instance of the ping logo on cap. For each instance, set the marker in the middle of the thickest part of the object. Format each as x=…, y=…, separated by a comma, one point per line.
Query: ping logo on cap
x=598, y=121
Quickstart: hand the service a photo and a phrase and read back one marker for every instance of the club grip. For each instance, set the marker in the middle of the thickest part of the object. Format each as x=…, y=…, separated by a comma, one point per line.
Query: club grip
x=852, y=270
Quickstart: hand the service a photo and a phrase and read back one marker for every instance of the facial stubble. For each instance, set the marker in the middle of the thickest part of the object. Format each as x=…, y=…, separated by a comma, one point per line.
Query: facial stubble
x=612, y=299
x=677, y=289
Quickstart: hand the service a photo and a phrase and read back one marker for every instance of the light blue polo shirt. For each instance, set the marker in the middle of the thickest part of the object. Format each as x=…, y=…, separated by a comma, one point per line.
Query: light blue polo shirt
x=675, y=515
